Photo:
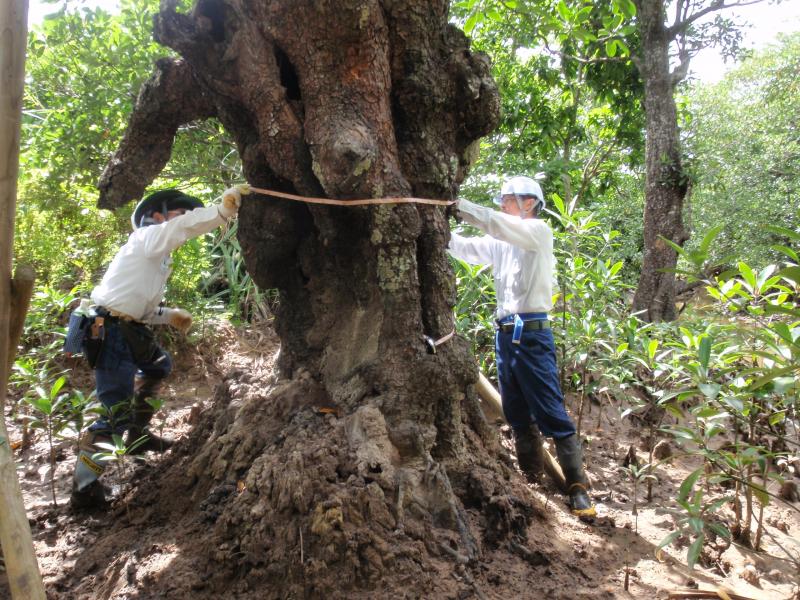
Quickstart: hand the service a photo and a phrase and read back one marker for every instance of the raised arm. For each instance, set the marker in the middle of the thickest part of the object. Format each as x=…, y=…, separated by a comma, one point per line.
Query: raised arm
x=528, y=234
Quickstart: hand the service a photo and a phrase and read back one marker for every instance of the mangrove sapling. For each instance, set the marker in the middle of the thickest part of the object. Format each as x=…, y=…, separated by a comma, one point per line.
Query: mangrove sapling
x=51, y=417
x=637, y=474
x=118, y=453
x=695, y=518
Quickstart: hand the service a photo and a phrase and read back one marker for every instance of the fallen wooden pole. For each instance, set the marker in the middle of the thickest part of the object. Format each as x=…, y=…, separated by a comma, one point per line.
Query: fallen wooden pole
x=15, y=533
x=21, y=293
x=493, y=409
x=718, y=594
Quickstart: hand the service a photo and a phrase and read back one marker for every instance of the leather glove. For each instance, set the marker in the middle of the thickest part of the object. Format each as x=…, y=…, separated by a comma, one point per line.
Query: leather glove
x=232, y=200
x=180, y=319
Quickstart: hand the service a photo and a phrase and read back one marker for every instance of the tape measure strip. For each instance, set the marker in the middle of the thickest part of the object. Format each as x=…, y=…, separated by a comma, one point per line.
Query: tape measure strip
x=361, y=202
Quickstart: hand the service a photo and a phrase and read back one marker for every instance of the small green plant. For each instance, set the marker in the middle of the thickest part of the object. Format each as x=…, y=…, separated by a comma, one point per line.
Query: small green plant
x=695, y=519
x=56, y=413
x=228, y=281
x=638, y=474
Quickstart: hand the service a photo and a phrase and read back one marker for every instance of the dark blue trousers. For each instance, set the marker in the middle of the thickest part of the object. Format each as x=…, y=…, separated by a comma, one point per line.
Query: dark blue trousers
x=529, y=384
x=115, y=374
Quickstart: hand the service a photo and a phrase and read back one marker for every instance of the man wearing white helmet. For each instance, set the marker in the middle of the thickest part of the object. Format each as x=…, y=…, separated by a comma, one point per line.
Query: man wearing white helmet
x=519, y=246
x=120, y=345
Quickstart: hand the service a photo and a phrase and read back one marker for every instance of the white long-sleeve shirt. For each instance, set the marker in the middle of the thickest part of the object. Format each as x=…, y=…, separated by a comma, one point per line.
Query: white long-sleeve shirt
x=520, y=252
x=135, y=280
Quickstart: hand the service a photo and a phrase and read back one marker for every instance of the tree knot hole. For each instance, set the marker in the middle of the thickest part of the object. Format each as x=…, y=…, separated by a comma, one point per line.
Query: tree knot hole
x=289, y=79
x=210, y=16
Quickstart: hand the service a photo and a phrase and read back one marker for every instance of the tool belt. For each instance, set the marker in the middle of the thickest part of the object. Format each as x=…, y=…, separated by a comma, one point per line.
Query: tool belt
x=526, y=326
x=140, y=338
x=518, y=323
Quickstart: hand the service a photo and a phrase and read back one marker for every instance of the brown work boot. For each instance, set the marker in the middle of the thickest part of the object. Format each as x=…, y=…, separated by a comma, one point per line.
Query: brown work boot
x=528, y=443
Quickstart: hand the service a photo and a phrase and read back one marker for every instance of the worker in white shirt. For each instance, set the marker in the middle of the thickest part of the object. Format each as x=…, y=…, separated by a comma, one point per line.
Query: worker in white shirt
x=129, y=365
x=519, y=246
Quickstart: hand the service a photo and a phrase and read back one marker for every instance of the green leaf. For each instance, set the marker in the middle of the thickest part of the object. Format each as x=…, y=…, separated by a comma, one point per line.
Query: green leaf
x=57, y=386
x=792, y=235
x=778, y=417
x=564, y=11
x=688, y=483
x=737, y=404
x=709, y=238
x=720, y=530
x=472, y=22
x=694, y=551
x=652, y=346
x=792, y=273
x=709, y=390
x=697, y=524
x=786, y=251
x=747, y=274
x=668, y=539
x=704, y=351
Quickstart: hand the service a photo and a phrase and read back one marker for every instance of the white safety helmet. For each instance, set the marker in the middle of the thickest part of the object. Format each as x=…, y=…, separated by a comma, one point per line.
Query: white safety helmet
x=521, y=186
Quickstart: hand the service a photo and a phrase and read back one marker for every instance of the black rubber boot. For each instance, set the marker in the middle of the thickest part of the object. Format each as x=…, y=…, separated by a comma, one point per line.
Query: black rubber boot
x=528, y=442
x=92, y=497
x=88, y=493
x=570, y=457
x=141, y=415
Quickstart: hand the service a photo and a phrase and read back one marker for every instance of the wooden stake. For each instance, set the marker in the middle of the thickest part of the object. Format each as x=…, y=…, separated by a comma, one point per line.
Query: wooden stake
x=493, y=408
x=21, y=293
x=15, y=534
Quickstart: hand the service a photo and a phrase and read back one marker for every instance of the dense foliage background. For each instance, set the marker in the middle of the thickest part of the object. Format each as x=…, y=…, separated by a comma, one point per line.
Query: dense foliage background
x=572, y=117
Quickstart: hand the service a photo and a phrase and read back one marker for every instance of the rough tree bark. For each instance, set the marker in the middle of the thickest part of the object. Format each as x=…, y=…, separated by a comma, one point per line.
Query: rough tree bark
x=665, y=182
x=346, y=99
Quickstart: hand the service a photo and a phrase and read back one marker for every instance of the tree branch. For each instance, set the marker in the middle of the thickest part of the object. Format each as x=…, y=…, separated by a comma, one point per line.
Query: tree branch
x=680, y=72
x=716, y=5
x=169, y=99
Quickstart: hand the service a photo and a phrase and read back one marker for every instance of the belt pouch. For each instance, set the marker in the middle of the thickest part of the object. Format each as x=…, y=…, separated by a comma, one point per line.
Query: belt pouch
x=519, y=325
x=93, y=342
x=76, y=332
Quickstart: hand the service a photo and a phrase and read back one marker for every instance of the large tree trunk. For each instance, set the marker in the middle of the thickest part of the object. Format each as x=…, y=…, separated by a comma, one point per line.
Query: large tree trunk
x=665, y=180
x=346, y=99
x=15, y=534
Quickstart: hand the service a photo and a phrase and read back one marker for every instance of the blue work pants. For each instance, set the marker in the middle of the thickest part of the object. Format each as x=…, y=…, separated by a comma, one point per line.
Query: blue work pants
x=529, y=385
x=115, y=375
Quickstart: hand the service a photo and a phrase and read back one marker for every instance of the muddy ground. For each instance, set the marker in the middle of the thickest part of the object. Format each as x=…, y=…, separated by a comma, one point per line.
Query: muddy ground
x=141, y=549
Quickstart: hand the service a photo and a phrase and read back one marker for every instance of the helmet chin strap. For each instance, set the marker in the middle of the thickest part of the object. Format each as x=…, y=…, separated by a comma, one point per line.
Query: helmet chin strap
x=521, y=203
x=535, y=207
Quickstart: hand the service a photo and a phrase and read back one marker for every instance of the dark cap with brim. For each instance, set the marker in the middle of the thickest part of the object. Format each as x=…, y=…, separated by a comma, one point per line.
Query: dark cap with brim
x=162, y=201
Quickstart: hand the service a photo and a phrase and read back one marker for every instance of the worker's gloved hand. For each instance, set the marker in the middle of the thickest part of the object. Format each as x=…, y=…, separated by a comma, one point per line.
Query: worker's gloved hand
x=452, y=211
x=232, y=200
x=179, y=318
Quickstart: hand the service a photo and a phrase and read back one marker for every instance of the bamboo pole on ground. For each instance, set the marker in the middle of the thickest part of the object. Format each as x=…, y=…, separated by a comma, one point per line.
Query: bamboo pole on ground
x=15, y=534
x=493, y=408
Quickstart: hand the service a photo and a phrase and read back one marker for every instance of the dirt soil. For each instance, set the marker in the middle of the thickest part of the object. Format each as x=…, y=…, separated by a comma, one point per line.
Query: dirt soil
x=146, y=547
